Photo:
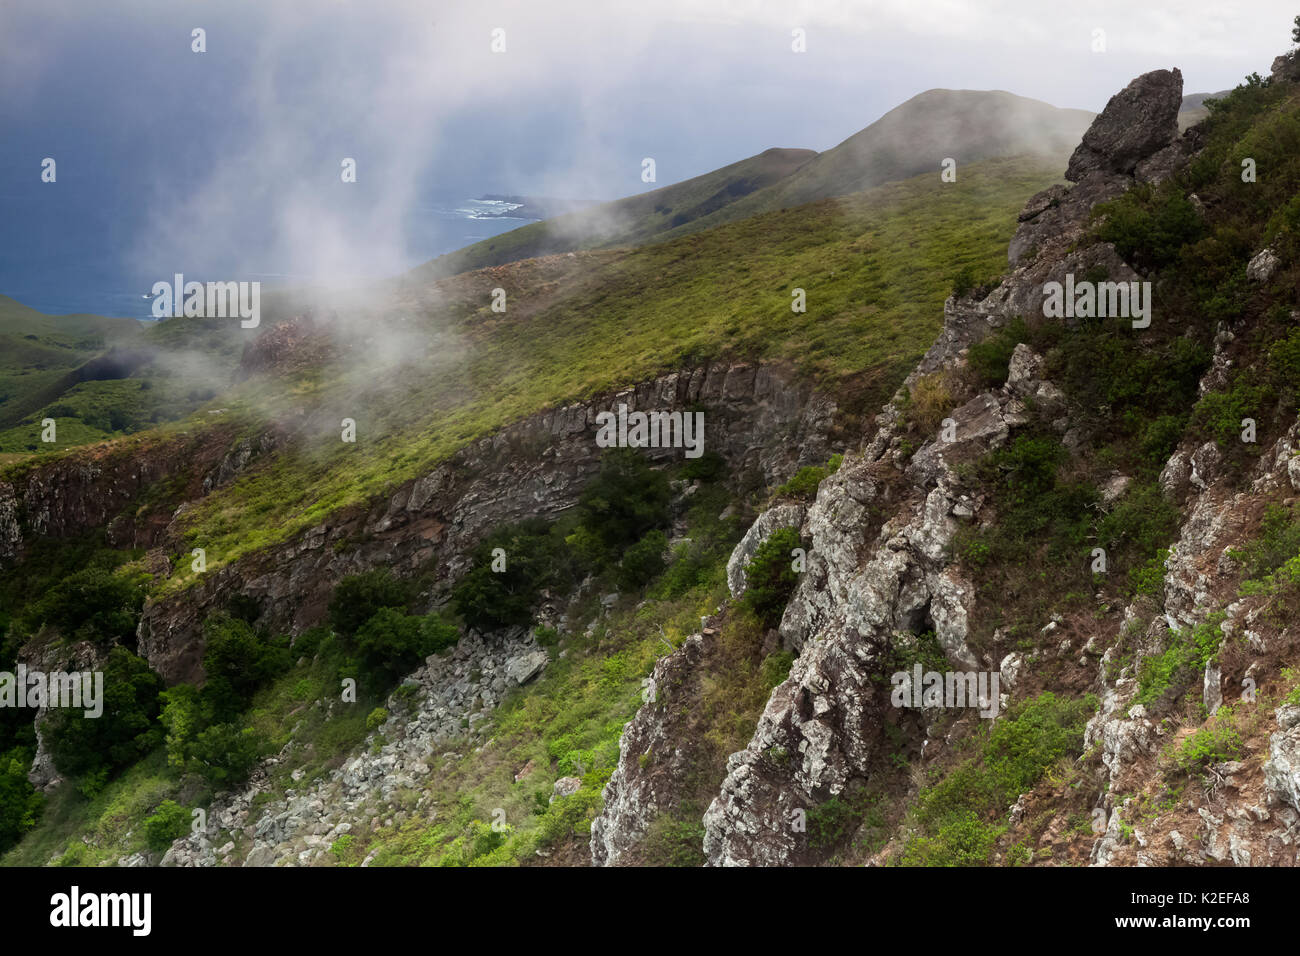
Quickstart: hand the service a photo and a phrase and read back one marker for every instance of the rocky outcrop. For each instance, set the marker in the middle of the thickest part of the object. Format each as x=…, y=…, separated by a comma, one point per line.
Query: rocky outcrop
x=653, y=759
x=1262, y=266
x=873, y=581
x=865, y=586
x=1282, y=769
x=1136, y=135
x=1138, y=121
x=759, y=419
x=97, y=487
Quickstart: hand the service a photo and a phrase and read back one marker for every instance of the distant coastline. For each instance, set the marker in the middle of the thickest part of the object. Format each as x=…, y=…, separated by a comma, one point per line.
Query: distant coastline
x=535, y=207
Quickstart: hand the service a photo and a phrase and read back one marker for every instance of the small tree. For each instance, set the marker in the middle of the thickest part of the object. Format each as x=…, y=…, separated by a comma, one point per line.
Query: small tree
x=1295, y=32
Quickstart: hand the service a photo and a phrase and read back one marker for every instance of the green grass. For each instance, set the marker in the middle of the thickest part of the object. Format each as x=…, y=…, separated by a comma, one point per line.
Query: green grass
x=629, y=221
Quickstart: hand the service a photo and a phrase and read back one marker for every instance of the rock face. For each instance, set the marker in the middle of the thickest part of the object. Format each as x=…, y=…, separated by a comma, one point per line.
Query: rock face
x=525, y=667
x=864, y=587
x=878, y=568
x=1282, y=770
x=1139, y=120
x=1262, y=266
x=91, y=488
x=760, y=420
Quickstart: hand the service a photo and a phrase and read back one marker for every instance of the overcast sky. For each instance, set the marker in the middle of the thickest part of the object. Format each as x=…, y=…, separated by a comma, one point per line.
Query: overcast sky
x=257, y=125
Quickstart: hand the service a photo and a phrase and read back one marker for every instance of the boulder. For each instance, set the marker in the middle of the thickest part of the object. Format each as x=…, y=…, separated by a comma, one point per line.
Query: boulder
x=1139, y=121
x=1262, y=267
x=565, y=787
x=525, y=667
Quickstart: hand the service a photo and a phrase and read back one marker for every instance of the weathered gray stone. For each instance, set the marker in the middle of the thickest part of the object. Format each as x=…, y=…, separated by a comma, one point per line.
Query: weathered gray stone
x=1138, y=121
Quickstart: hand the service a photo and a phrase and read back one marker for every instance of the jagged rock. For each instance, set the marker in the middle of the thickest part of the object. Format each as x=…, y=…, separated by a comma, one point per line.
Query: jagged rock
x=1114, y=487
x=524, y=668
x=11, y=532
x=1009, y=669
x=1023, y=371
x=1286, y=67
x=1282, y=769
x=979, y=424
x=1205, y=465
x=1175, y=476
x=1162, y=164
x=565, y=787
x=653, y=758
x=781, y=516
x=1138, y=121
x=1211, y=687
x=1262, y=266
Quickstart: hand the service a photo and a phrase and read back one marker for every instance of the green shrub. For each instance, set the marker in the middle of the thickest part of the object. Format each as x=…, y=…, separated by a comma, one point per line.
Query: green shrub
x=770, y=577
x=1181, y=662
x=1218, y=415
x=776, y=668
x=831, y=823
x=1278, y=542
x=675, y=840
x=1149, y=578
x=959, y=819
x=710, y=466
x=168, y=823
x=358, y=597
x=236, y=662
x=437, y=634
x=968, y=279
x=20, y=802
x=535, y=557
x=1216, y=742
x=627, y=498
x=393, y=643
x=225, y=754
x=990, y=360
x=1150, y=227
x=806, y=480
x=642, y=562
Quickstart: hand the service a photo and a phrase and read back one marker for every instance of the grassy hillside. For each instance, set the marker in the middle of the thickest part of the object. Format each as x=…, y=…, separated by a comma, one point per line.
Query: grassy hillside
x=910, y=140
x=634, y=219
x=875, y=267
x=39, y=352
x=914, y=138
x=100, y=378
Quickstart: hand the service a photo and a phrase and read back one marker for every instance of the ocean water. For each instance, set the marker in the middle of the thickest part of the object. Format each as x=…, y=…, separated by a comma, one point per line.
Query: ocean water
x=65, y=249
